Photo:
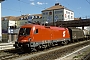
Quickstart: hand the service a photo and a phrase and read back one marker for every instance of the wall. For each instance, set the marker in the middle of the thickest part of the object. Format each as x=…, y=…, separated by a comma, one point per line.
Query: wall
x=5, y=26
x=68, y=15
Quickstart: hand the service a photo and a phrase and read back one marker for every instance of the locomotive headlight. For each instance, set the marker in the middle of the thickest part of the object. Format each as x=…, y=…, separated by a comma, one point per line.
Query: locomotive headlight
x=29, y=39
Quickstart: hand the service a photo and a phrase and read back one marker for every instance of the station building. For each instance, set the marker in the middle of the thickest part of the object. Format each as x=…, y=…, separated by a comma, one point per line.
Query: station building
x=57, y=13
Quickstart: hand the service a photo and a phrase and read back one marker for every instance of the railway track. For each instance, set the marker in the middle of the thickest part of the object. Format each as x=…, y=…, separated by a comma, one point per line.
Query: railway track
x=59, y=52
x=7, y=56
x=47, y=54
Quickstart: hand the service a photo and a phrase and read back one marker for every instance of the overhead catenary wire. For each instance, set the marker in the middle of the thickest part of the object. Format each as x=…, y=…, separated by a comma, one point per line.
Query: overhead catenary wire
x=88, y=1
x=20, y=8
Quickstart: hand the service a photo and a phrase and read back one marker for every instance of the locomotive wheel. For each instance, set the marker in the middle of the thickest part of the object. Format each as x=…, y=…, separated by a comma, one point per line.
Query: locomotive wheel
x=48, y=45
x=64, y=42
x=59, y=43
x=39, y=48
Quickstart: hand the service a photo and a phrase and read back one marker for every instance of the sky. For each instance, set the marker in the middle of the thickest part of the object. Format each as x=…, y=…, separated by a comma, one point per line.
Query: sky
x=81, y=8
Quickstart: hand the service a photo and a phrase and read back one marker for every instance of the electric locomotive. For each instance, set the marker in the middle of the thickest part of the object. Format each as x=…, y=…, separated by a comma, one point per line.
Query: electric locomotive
x=37, y=36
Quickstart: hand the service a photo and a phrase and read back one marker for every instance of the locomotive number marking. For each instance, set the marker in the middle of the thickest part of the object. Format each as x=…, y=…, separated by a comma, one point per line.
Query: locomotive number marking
x=64, y=33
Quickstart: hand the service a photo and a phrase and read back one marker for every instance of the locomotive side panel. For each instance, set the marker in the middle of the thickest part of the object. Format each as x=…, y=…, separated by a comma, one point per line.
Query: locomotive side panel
x=36, y=35
x=60, y=34
x=56, y=34
x=46, y=34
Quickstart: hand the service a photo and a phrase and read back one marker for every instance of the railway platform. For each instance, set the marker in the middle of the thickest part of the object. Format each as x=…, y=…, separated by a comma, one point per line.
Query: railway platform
x=4, y=46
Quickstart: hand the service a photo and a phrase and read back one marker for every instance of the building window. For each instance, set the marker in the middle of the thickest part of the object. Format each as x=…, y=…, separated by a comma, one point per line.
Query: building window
x=43, y=17
x=67, y=12
x=37, y=16
x=68, y=16
x=46, y=13
x=50, y=13
x=62, y=15
x=12, y=27
x=57, y=12
x=43, y=13
x=29, y=17
x=71, y=13
x=71, y=17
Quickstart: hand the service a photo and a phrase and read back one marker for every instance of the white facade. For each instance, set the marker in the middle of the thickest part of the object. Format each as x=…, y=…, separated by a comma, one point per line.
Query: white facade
x=68, y=15
x=0, y=24
x=6, y=24
x=57, y=13
x=11, y=23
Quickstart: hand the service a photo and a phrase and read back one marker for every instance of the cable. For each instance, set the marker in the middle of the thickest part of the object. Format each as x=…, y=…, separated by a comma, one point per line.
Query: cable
x=88, y=1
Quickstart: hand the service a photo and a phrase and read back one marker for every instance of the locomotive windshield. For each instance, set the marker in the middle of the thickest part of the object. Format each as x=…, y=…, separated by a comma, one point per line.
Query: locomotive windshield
x=24, y=31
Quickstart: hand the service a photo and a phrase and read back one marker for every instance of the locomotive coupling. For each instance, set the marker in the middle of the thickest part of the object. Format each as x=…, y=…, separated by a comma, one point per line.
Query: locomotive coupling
x=21, y=45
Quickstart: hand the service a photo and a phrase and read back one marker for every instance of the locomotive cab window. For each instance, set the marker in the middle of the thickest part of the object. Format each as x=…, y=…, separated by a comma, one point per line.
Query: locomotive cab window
x=24, y=31
x=36, y=31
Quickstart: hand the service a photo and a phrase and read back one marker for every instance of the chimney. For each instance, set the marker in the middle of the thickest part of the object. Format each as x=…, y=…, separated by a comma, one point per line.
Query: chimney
x=57, y=4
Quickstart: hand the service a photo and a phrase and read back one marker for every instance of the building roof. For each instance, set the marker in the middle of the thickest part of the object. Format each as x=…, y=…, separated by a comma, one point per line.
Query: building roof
x=9, y=18
x=56, y=7
x=13, y=18
x=37, y=15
